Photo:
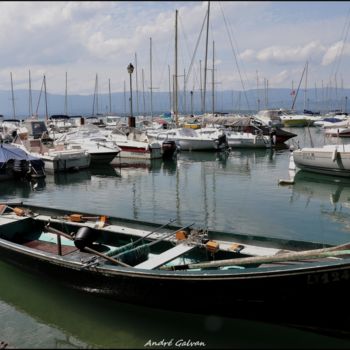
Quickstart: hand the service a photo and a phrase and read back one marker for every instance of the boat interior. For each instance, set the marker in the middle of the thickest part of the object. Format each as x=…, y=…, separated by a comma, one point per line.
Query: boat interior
x=92, y=240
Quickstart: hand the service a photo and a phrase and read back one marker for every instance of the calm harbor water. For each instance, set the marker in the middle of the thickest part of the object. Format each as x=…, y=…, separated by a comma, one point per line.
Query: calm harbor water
x=237, y=192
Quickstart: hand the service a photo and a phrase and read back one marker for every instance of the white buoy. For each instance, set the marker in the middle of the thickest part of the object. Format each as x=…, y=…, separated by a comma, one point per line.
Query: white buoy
x=292, y=169
x=291, y=162
x=334, y=154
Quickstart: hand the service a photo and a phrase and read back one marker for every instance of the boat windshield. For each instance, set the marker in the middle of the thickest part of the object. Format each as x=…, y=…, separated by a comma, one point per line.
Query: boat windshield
x=187, y=132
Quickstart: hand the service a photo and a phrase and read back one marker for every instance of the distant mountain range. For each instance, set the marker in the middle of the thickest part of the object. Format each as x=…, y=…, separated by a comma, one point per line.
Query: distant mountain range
x=225, y=101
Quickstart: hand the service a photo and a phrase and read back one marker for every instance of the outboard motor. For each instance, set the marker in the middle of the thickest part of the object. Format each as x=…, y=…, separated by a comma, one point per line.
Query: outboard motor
x=21, y=168
x=85, y=236
x=222, y=141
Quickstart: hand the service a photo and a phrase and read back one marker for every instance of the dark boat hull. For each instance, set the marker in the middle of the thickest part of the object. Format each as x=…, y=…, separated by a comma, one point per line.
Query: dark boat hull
x=223, y=292
x=299, y=294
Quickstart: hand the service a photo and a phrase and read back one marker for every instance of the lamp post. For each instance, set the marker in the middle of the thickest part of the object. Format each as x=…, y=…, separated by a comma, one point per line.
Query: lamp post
x=131, y=117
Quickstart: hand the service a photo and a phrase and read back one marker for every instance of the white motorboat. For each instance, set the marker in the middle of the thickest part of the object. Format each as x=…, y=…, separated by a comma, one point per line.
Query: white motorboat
x=270, y=117
x=56, y=158
x=91, y=139
x=10, y=128
x=135, y=146
x=189, y=139
x=339, y=129
x=329, y=159
x=17, y=163
x=238, y=139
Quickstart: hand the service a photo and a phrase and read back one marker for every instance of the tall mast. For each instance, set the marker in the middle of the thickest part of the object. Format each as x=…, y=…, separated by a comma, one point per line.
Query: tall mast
x=296, y=94
x=200, y=84
x=13, y=98
x=213, y=83
x=96, y=94
x=169, y=88
x=150, y=69
x=47, y=116
x=124, y=99
x=305, y=93
x=137, y=87
x=175, y=81
x=257, y=90
x=206, y=59
x=110, y=97
x=143, y=93
x=30, y=97
x=184, y=92
x=65, y=99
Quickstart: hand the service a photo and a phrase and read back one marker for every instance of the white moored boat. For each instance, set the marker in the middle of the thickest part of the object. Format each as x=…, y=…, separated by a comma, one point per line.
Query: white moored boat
x=329, y=159
x=132, y=147
x=188, y=139
x=90, y=139
x=56, y=158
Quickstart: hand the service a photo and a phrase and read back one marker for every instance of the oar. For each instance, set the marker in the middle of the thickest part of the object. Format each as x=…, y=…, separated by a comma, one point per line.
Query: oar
x=311, y=254
x=157, y=229
x=90, y=250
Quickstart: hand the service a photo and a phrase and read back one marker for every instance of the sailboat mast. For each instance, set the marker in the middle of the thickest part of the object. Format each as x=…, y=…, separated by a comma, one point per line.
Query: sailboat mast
x=206, y=60
x=305, y=93
x=47, y=116
x=200, y=83
x=185, y=109
x=65, y=98
x=110, y=97
x=137, y=87
x=96, y=94
x=124, y=99
x=30, y=97
x=143, y=93
x=175, y=80
x=296, y=94
x=213, y=83
x=169, y=88
x=150, y=69
x=13, y=98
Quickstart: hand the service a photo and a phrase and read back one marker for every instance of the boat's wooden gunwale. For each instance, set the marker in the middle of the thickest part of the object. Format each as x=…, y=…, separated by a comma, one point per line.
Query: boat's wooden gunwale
x=259, y=241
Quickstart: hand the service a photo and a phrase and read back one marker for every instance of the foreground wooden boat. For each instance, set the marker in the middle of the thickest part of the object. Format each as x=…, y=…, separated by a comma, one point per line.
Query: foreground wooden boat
x=170, y=267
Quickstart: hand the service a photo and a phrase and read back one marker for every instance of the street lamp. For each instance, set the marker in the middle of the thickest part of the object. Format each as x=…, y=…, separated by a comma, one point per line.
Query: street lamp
x=131, y=118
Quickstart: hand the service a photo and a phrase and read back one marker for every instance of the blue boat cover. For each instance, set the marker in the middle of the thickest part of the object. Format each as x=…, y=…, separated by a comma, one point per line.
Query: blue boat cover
x=8, y=151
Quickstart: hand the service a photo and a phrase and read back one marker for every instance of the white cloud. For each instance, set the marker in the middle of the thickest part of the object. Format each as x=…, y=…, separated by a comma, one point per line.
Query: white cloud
x=85, y=38
x=335, y=51
x=287, y=54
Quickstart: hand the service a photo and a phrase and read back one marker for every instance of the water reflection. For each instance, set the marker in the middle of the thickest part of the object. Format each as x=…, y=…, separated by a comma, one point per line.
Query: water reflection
x=130, y=167
x=21, y=188
x=80, y=320
x=327, y=188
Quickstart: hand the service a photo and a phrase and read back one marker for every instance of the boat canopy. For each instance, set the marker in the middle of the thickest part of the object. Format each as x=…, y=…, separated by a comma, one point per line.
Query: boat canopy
x=8, y=152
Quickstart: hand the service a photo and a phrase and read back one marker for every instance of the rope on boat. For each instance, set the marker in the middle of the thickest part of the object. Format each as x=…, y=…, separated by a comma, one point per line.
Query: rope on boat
x=138, y=254
x=135, y=255
x=122, y=249
x=131, y=245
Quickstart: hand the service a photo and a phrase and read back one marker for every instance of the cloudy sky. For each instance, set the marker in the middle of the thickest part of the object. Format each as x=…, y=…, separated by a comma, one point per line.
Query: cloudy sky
x=254, y=41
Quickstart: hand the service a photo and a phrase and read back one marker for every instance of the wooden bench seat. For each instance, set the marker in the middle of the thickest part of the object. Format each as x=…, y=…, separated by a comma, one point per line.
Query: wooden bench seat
x=161, y=259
